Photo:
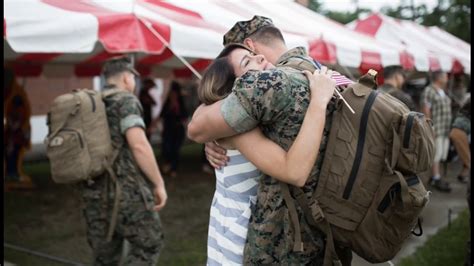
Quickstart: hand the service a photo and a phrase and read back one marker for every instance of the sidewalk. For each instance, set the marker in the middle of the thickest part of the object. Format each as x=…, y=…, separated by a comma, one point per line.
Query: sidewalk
x=435, y=215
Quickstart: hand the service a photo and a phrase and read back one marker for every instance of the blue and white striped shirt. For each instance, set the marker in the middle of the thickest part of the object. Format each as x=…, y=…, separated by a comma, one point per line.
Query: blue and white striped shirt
x=236, y=190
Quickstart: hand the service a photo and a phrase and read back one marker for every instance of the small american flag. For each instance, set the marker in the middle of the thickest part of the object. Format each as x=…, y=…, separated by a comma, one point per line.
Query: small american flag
x=340, y=79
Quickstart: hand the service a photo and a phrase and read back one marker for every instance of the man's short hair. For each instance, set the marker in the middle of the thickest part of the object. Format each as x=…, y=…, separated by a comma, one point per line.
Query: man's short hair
x=118, y=65
x=267, y=35
x=390, y=71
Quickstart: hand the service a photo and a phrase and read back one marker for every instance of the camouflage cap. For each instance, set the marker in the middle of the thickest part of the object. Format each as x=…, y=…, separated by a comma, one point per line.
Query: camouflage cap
x=244, y=29
x=116, y=65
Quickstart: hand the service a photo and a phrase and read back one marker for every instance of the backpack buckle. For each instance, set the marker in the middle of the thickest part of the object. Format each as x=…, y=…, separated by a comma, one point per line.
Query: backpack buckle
x=317, y=212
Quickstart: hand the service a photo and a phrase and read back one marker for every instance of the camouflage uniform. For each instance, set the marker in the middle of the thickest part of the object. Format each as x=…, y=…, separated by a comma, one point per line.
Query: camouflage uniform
x=136, y=221
x=276, y=100
x=244, y=29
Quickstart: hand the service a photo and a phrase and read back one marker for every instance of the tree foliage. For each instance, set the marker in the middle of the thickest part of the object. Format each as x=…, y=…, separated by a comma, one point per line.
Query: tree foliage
x=454, y=16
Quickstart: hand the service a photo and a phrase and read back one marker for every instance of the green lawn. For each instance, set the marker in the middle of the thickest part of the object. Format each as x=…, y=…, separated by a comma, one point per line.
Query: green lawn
x=446, y=248
x=49, y=219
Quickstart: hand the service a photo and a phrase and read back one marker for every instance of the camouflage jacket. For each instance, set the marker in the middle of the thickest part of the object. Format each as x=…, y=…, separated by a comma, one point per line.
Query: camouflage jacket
x=276, y=100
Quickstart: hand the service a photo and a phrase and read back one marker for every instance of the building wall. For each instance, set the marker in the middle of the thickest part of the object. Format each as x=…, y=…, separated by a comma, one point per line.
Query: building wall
x=41, y=92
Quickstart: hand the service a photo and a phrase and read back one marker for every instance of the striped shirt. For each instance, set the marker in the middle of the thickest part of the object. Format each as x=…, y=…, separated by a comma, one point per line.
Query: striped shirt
x=236, y=190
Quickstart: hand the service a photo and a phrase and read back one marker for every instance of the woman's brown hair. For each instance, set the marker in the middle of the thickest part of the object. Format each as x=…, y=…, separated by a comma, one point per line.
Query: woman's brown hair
x=219, y=77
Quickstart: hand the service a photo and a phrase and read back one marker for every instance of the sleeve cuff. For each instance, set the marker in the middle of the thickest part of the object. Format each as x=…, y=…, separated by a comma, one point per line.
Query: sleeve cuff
x=236, y=116
x=131, y=121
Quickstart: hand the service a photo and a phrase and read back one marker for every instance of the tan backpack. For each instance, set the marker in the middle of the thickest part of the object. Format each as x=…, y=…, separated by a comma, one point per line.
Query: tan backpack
x=78, y=145
x=369, y=195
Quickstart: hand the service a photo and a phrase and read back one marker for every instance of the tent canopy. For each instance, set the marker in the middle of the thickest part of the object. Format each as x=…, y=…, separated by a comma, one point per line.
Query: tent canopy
x=430, y=47
x=76, y=36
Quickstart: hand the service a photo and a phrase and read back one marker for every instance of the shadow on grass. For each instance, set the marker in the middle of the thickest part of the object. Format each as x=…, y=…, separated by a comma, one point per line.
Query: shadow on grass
x=49, y=218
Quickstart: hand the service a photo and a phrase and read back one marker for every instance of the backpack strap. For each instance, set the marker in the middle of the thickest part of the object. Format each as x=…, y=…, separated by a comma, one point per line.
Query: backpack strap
x=118, y=193
x=330, y=256
x=109, y=167
x=403, y=183
x=290, y=203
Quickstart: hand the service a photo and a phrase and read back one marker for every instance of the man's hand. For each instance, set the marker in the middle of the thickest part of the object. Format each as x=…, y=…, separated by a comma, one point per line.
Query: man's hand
x=160, y=197
x=216, y=155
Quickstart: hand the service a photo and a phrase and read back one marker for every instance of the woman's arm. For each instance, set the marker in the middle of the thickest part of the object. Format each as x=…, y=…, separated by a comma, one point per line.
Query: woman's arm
x=208, y=124
x=294, y=166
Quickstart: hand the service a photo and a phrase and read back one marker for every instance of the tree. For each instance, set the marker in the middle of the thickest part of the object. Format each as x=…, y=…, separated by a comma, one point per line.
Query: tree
x=345, y=17
x=453, y=16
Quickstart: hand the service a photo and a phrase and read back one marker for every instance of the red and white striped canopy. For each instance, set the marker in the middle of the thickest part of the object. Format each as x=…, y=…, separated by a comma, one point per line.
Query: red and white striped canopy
x=57, y=37
x=430, y=47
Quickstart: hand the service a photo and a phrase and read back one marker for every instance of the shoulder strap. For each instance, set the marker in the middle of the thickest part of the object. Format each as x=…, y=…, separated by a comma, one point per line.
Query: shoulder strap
x=330, y=256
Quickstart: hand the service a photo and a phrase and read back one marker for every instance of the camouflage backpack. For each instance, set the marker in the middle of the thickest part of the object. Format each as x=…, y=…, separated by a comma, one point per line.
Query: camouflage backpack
x=369, y=195
x=78, y=145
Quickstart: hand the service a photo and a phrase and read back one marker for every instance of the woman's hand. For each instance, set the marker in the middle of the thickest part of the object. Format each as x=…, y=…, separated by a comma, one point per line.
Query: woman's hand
x=216, y=155
x=321, y=84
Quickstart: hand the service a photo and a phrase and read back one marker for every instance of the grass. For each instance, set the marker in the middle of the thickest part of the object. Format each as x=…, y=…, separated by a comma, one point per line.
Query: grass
x=447, y=247
x=49, y=218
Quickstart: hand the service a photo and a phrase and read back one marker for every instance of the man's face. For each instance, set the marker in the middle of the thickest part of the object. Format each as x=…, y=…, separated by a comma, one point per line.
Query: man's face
x=130, y=82
x=261, y=49
x=443, y=80
x=400, y=80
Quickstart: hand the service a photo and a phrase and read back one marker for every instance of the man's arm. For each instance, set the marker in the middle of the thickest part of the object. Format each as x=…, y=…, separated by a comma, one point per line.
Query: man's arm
x=208, y=124
x=143, y=154
x=426, y=104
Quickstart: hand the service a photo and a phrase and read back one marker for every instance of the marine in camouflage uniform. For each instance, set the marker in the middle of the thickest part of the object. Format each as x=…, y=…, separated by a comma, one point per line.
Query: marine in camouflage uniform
x=275, y=100
x=136, y=220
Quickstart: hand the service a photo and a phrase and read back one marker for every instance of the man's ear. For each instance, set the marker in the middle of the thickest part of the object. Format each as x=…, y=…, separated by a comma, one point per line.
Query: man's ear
x=249, y=43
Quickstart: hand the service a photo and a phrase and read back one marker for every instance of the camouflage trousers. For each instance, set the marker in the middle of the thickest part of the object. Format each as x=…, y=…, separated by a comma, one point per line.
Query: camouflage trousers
x=137, y=224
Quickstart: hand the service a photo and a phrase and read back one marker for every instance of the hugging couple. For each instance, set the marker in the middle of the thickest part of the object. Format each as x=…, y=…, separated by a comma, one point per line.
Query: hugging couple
x=264, y=123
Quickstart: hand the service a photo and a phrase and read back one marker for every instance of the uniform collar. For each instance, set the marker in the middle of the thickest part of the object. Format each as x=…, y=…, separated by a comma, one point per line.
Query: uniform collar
x=297, y=51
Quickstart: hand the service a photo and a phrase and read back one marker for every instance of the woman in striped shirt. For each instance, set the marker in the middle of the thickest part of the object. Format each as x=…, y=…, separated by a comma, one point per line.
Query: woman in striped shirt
x=252, y=153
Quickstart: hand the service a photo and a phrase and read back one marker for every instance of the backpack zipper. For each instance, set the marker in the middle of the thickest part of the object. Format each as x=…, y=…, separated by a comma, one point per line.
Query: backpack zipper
x=78, y=135
x=394, y=189
x=93, y=102
x=360, y=144
x=408, y=127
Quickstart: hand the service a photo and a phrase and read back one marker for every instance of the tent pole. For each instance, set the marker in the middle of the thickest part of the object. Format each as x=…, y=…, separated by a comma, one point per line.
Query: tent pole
x=348, y=72
x=149, y=26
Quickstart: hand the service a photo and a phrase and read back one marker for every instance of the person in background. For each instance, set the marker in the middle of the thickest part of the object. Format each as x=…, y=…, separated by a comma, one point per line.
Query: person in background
x=174, y=115
x=394, y=79
x=457, y=94
x=143, y=191
x=17, y=132
x=437, y=106
x=459, y=135
x=147, y=103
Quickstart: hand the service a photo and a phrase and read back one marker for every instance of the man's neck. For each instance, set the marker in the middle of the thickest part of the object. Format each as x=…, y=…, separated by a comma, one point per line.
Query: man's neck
x=391, y=83
x=436, y=87
x=279, y=51
x=115, y=84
